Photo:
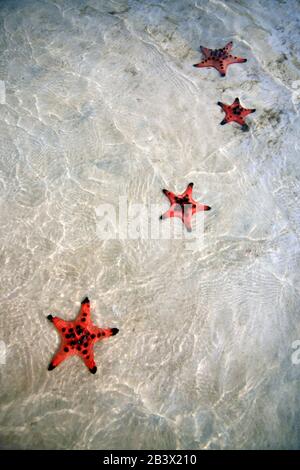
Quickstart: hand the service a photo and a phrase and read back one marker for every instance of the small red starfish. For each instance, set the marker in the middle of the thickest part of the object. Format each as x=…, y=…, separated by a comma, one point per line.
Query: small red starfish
x=235, y=112
x=220, y=59
x=78, y=337
x=183, y=206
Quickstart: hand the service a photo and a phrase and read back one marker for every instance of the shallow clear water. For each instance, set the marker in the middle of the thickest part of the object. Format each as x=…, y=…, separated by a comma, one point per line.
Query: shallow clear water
x=102, y=100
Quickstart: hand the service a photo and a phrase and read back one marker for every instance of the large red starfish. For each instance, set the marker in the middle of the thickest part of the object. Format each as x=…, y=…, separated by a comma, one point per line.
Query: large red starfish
x=78, y=337
x=183, y=206
x=235, y=112
x=220, y=59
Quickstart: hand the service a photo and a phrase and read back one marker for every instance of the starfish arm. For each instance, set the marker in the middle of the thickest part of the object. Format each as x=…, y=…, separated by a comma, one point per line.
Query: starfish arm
x=87, y=356
x=102, y=333
x=223, y=106
x=187, y=217
x=60, y=356
x=170, y=195
x=85, y=306
x=224, y=121
x=239, y=119
x=205, y=51
x=87, y=351
x=188, y=191
x=228, y=46
x=107, y=332
x=235, y=60
x=188, y=224
x=200, y=208
x=174, y=211
x=200, y=64
x=245, y=112
x=84, y=316
x=218, y=64
x=205, y=63
x=221, y=66
x=60, y=325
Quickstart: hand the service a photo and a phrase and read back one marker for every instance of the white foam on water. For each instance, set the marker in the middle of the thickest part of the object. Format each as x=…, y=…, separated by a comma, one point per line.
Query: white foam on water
x=101, y=101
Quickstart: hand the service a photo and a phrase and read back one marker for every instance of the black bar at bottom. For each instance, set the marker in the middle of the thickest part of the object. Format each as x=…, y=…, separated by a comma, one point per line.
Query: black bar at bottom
x=136, y=458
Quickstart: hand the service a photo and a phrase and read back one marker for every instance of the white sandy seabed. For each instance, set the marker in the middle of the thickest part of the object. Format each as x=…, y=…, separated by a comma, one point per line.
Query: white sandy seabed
x=101, y=100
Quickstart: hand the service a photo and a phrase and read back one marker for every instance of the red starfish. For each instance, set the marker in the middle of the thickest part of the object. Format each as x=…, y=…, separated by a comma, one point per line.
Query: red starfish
x=219, y=58
x=183, y=206
x=78, y=337
x=235, y=112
